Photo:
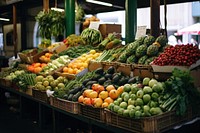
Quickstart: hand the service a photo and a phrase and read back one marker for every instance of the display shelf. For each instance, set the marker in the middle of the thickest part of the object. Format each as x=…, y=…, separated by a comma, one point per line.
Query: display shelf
x=56, y=129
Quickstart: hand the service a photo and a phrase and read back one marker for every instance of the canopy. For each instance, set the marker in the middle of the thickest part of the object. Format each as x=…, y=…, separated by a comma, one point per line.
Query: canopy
x=192, y=29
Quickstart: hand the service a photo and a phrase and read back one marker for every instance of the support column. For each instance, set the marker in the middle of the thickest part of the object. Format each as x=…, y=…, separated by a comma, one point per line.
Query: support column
x=70, y=17
x=131, y=20
x=15, y=30
x=45, y=5
x=155, y=17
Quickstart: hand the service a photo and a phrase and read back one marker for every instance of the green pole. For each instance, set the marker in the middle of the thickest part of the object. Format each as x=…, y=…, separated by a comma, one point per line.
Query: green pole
x=131, y=20
x=70, y=17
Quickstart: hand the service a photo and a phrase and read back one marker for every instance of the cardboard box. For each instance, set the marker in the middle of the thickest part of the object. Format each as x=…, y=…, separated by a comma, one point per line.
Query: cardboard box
x=105, y=29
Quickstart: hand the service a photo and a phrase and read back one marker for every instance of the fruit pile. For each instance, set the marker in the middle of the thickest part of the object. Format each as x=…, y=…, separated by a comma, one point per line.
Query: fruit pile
x=143, y=50
x=99, y=96
x=87, y=21
x=55, y=64
x=179, y=55
x=36, y=67
x=49, y=83
x=73, y=40
x=139, y=100
x=80, y=63
x=102, y=77
x=46, y=57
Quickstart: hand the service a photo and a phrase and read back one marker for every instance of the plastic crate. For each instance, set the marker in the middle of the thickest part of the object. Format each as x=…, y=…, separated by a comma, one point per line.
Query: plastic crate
x=40, y=95
x=92, y=112
x=68, y=106
x=154, y=124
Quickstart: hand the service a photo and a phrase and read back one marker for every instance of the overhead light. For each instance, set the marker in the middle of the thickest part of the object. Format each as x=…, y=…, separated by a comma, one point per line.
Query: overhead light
x=99, y=2
x=4, y=19
x=57, y=9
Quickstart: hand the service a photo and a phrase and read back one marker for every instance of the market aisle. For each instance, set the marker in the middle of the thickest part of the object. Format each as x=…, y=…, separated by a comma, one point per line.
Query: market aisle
x=10, y=121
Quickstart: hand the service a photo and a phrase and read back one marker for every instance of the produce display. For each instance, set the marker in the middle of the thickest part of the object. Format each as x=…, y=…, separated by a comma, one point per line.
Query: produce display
x=106, y=87
x=139, y=99
x=24, y=80
x=74, y=52
x=99, y=96
x=46, y=57
x=11, y=74
x=80, y=63
x=45, y=43
x=36, y=67
x=91, y=36
x=109, y=42
x=73, y=40
x=49, y=83
x=99, y=76
x=110, y=55
x=143, y=50
x=179, y=55
x=55, y=64
x=180, y=93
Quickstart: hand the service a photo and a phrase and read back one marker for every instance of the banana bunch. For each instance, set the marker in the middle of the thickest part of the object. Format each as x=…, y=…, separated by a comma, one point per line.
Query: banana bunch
x=73, y=40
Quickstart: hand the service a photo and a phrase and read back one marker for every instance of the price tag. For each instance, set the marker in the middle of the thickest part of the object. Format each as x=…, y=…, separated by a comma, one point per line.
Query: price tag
x=141, y=31
x=94, y=25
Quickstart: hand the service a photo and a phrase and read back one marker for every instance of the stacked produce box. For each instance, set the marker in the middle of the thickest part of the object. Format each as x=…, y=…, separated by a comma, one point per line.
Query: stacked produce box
x=128, y=86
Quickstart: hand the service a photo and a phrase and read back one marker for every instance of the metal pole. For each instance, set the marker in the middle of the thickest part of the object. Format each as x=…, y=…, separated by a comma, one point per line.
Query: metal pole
x=155, y=17
x=131, y=20
x=70, y=17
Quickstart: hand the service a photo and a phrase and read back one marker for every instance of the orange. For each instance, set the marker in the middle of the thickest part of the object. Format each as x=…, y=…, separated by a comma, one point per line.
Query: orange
x=37, y=69
x=65, y=69
x=109, y=100
x=110, y=87
x=113, y=94
x=70, y=71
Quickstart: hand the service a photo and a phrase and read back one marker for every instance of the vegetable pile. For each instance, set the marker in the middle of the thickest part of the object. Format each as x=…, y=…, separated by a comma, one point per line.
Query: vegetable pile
x=179, y=93
x=180, y=55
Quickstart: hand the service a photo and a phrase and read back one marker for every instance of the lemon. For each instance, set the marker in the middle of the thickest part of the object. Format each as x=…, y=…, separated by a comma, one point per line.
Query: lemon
x=92, y=51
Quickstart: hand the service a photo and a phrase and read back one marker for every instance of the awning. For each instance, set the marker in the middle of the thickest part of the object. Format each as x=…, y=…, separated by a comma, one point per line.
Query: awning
x=192, y=29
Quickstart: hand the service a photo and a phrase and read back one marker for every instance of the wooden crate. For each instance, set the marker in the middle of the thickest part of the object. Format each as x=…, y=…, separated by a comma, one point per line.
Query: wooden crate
x=92, y=112
x=154, y=124
x=126, y=69
x=142, y=71
x=93, y=65
x=68, y=106
x=106, y=65
x=40, y=95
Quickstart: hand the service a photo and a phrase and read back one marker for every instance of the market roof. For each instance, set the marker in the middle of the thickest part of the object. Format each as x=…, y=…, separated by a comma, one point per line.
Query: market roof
x=89, y=8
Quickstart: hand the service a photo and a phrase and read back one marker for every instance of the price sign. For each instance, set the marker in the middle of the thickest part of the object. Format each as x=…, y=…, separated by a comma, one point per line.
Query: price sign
x=141, y=31
x=94, y=25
